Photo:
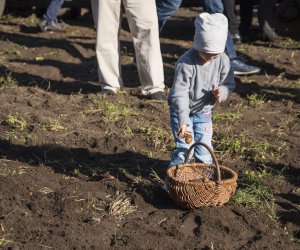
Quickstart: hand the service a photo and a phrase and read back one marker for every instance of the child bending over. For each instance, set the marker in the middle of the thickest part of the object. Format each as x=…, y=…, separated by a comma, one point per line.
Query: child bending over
x=202, y=77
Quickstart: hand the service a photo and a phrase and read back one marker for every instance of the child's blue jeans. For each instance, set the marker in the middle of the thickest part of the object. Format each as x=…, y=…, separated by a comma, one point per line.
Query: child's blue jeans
x=200, y=126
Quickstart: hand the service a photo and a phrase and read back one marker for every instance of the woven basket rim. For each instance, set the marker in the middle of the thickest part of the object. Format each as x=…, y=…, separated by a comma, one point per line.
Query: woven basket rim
x=184, y=165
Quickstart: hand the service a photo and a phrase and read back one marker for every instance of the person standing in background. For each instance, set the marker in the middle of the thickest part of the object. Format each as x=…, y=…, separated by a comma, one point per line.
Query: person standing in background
x=49, y=20
x=233, y=24
x=167, y=8
x=143, y=24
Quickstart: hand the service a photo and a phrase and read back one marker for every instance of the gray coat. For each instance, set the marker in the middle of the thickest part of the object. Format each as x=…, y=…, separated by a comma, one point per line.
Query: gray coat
x=191, y=92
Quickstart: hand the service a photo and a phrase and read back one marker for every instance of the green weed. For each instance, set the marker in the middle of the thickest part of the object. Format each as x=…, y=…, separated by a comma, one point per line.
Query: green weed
x=137, y=179
x=252, y=193
x=289, y=43
x=150, y=154
x=159, y=137
x=155, y=177
x=285, y=125
x=53, y=125
x=296, y=191
x=76, y=172
x=113, y=112
x=91, y=203
x=45, y=56
x=233, y=145
x=247, y=147
x=231, y=117
x=7, y=171
x=4, y=240
x=7, y=81
x=7, y=18
x=16, y=121
x=255, y=100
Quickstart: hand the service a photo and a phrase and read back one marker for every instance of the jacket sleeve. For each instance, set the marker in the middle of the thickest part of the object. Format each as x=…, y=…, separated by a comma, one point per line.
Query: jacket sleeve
x=179, y=93
x=227, y=82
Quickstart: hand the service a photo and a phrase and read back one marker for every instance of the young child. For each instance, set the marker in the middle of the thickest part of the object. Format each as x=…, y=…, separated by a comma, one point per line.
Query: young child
x=202, y=77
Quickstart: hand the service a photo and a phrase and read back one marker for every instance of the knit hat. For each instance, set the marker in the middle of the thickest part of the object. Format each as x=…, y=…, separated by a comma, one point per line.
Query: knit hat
x=210, y=32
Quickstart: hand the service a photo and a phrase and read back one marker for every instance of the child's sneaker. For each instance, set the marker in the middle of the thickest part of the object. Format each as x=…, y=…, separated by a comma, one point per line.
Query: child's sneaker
x=51, y=25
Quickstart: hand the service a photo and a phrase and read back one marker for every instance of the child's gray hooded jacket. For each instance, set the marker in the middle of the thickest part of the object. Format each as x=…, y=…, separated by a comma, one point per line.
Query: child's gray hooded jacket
x=191, y=92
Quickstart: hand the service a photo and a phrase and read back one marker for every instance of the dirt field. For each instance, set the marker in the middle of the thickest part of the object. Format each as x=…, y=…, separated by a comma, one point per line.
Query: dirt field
x=81, y=171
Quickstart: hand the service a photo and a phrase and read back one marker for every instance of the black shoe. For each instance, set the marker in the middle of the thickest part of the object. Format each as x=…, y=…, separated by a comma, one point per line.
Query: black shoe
x=158, y=96
x=106, y=92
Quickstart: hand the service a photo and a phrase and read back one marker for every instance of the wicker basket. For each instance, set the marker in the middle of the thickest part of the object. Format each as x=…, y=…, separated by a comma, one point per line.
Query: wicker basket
x=193, y=185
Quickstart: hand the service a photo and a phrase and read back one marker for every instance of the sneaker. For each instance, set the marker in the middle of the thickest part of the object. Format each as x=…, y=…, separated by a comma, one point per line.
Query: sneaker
x=269, y=32
x=236, y=38
x=159, y=96
x=241, y=68
x=51, y=25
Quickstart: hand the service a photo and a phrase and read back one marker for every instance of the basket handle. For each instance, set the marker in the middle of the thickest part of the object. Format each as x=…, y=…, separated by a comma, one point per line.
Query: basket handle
x=212, y=154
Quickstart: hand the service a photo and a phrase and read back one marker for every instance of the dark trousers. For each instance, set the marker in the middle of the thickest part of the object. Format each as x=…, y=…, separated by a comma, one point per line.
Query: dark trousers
x=229, y=11
x=246, y=14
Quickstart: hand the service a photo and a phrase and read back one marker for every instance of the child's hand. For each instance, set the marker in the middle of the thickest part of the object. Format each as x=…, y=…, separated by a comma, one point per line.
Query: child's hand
x=183, y=131
x=216, y=92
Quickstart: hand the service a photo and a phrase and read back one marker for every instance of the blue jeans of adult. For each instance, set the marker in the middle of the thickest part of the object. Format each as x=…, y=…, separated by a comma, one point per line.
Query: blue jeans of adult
x=216, y=6
x=200, y=126
x=167, y=8
x=52, y=10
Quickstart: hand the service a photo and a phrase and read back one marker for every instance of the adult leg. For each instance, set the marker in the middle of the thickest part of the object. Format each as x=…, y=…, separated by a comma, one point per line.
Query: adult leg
x=216, y=6
x=212, y=6
x=239, y=67
x=229, y=11
x=95, y=7
x=143, y=23
x=107, y=44
x=52, y=10
x=267, y=17
x=166, y=9
x=246, y=14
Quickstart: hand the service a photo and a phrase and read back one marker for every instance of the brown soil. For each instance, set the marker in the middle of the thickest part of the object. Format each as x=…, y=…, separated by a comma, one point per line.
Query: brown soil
x=74, y=150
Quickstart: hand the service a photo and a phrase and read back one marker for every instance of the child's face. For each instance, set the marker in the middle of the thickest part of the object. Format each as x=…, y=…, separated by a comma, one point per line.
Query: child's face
x=207, y=57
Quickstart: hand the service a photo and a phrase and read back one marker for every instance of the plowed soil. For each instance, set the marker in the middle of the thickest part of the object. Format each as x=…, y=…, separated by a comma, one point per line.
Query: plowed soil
x=67, y=154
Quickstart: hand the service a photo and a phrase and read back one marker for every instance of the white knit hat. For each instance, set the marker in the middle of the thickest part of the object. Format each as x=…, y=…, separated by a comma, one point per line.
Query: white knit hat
x=210, y=32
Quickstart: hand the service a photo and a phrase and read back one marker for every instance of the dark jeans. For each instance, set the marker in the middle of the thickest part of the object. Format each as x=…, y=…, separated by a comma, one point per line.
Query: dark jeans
x=52, y=10
x=246, y=14
x=229, y=11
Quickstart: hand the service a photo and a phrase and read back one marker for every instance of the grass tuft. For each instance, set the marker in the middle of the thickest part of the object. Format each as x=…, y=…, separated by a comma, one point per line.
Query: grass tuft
x=256, y=100
x=7, y=81
x=252, y=193
x=119, y=205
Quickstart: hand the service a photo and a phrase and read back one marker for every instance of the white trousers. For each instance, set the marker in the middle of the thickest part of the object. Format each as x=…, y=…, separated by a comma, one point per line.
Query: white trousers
x=143, y=24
